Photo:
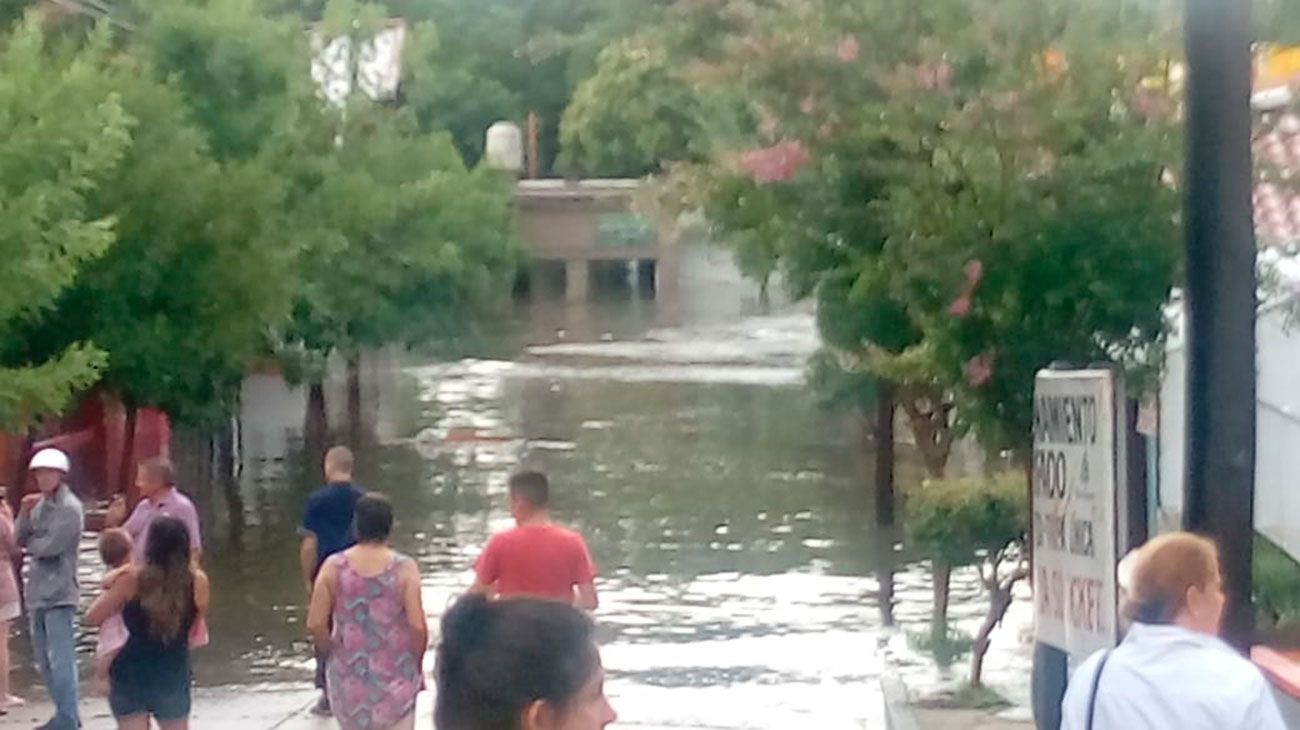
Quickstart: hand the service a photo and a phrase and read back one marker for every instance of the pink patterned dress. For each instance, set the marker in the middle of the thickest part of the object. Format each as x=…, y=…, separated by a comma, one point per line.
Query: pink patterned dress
x=373, y=673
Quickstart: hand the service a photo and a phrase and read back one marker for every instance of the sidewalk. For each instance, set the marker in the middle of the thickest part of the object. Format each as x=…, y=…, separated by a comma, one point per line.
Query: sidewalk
x=253, y=707
x=257, y=707
x=900, y=714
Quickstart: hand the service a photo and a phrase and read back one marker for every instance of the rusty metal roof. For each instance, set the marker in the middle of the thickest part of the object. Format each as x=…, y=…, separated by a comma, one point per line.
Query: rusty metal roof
x=1277, y=190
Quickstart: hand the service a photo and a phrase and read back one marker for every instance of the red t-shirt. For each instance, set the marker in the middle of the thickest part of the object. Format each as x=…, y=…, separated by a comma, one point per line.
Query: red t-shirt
x=542, y=561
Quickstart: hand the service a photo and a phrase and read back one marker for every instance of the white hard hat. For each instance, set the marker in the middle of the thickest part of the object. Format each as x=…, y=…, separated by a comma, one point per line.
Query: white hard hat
x=51, y=459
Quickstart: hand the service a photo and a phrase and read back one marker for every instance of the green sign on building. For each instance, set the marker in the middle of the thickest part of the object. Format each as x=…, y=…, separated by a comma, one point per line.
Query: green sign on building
x=623, y=230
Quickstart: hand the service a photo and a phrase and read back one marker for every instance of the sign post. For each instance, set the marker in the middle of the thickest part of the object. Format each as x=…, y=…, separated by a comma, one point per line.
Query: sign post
x=1077, y=474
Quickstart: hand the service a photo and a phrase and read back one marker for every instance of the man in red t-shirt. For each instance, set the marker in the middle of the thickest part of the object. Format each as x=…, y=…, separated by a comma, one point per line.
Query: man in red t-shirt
x=536, y=558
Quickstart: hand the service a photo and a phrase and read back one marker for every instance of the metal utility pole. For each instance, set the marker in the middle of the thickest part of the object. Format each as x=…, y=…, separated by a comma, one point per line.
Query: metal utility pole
x=1220, y=298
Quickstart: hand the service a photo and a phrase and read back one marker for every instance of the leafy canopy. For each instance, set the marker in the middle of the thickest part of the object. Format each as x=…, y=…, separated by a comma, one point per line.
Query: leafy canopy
x=65, y=132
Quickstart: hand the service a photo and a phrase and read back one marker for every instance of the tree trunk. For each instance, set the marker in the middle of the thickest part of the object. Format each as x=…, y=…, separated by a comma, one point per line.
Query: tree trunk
x=355, y=429
x=927, y=414
x=126, y=470
x=228, y=478
x=316, y=420
x=999, y=602
x=885, y=498
x=942, y=573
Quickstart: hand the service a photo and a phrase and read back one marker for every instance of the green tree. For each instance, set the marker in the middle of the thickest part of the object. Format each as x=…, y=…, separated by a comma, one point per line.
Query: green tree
x=401, y=242
x=977, y=522
x=64, y=133
x=489, y=60
x=968, y=192
x=632, y=116
x=411, y=245
x=199, y=273
x=196, y=253
x=1032, y=219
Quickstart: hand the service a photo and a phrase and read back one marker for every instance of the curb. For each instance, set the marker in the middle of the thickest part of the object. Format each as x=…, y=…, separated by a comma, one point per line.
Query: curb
x=898, y=714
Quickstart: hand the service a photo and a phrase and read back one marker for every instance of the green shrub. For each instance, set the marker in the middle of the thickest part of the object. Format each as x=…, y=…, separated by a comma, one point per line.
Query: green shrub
x=946, y=650
x=1275, y=581
x=959, y=521
x=979, y=521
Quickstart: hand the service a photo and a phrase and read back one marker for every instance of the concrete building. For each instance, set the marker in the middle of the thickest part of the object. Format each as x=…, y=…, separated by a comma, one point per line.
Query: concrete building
x=581, y=224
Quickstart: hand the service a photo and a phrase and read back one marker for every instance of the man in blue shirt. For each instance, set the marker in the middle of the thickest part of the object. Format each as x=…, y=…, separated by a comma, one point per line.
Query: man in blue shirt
x=327, y=529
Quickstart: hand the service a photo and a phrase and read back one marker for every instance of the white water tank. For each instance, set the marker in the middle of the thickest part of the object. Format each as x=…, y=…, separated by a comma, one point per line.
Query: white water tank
x=505, y=147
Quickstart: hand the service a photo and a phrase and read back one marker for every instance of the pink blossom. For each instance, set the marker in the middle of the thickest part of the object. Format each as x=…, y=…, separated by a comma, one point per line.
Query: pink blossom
x=778, y=163
x=979, y=369
x=847, y=50
x=960, y=307
x=934, y=77
x=808, y=105
x=974, y=271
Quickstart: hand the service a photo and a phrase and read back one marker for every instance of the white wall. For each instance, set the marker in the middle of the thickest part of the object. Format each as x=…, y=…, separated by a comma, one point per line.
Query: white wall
x=1277, y=450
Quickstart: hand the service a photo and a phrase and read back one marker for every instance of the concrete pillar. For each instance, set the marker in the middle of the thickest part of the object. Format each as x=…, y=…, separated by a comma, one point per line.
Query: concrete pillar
x=577, y=280
x=647, y=282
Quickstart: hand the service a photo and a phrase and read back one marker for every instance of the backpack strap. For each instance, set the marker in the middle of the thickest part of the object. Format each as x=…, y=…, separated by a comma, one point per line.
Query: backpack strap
x=1096, y=681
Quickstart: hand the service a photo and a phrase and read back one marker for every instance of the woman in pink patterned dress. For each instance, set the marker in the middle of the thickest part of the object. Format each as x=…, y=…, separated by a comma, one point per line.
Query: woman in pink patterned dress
x=10, y=602
x=367, y=614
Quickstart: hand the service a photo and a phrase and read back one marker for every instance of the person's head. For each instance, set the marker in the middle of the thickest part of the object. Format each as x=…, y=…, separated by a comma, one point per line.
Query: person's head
x=154, y=476
x=115, y=546
x=530, y=493
x=1176, y=580
x=166, y=589
x=373, y=517
x=49, y=467
x=519, y=664
x=338, y=464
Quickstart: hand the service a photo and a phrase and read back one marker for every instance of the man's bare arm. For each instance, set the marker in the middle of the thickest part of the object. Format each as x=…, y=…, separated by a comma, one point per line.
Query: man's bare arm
x=307, y=559
x=481, y=588
x=585, y=597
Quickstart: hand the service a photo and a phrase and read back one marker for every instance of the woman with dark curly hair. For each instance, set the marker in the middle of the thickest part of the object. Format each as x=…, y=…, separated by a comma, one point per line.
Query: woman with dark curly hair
x=519, y=664
x=160, y=602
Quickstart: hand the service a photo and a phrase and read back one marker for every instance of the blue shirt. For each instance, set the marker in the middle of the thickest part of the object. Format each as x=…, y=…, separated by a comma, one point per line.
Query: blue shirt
x=328, y=516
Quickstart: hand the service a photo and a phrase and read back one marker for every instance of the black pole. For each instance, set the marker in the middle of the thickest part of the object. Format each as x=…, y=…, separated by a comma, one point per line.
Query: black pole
x=1220, y=299
x=1135, y=501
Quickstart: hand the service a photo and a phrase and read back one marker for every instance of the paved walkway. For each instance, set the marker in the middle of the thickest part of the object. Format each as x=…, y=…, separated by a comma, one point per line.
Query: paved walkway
x=270, y=707
x=967, y=720
x=255, y=707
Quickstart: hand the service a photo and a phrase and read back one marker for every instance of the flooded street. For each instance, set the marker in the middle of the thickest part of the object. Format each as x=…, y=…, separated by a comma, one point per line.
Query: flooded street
x=731, y=517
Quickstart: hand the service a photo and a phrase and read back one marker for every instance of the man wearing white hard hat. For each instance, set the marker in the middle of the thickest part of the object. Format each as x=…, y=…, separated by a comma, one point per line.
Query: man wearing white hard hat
x=49, y=530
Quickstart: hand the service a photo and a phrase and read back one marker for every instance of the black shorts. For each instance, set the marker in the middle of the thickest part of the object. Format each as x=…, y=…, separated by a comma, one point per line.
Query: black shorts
x=165, y=701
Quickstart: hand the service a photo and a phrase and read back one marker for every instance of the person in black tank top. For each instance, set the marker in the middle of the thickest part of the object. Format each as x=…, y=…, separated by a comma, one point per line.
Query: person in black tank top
x=160, y=603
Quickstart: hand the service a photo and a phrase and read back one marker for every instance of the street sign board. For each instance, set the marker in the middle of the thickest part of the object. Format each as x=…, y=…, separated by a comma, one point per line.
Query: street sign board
x=1075, y=483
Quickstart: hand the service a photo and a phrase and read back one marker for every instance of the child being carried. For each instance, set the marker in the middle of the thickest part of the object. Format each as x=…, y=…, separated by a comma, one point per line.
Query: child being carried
x=115, y=547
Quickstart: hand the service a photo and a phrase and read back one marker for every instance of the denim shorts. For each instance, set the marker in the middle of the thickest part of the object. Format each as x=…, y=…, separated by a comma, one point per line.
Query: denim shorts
x=170, y=701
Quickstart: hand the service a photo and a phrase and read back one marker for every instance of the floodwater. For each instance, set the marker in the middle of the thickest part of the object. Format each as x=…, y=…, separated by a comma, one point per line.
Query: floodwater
x=731, y=516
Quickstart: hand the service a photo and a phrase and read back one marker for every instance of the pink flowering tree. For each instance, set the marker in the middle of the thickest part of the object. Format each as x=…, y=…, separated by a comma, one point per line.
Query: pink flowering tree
x=969, y=191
